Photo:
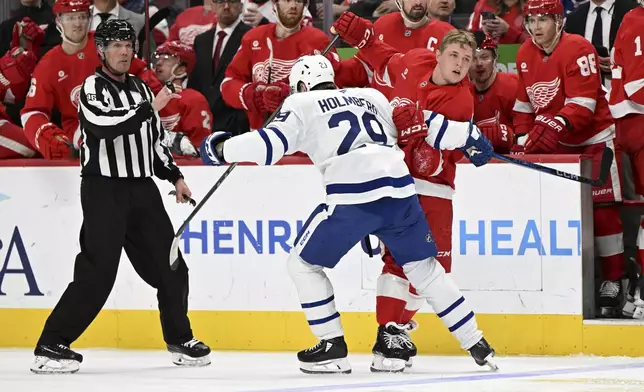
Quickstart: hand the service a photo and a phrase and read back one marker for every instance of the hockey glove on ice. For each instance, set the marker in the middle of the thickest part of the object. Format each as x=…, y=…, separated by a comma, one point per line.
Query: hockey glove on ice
x=477, y=148
x=208, y=148
x=410, y=123
x=274, y=95
x=545, y=135
x=354, y=30
x=501, y=137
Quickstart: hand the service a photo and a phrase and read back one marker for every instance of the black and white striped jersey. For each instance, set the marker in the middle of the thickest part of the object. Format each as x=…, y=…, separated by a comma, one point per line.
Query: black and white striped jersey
x=120, y=132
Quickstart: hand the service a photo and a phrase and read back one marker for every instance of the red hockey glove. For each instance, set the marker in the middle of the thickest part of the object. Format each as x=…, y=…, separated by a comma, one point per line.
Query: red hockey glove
x=517, y=149
x=52, y=142
x=354, y=30
x=545, y=134
x=27, y=35
x=16, y=67
x=501, y=137
x=422, y=159
x=252, y=97
x=274, y=95
x=410, y=123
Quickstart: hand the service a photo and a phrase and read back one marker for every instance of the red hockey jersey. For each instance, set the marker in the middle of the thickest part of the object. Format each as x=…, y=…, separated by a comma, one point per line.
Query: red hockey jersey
x=627, y=86
x=566, y=84
x=56, y=82
x=498, y=99
x=391, y=29
x=410, y=76
x=190, y=23
x=253, y=60
x=190, y=115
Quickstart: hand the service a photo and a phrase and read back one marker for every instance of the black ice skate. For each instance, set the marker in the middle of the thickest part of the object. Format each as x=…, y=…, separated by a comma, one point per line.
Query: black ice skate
x=483, y=354
x=610, y=298
x=55, y=359
x=391, y=351
x=411, y=326
x=328, y=356
x=191, y=353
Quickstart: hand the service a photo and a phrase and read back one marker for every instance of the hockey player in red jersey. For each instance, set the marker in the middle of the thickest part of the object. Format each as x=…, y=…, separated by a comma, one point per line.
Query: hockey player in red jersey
x=562, y=109
x=57, y=80
x=494, y=95
x=192, y=22
x=627, y=106
x=256, y=77
x=406, y=30
x=16, y=67
x=436, y=82
x=188, y=120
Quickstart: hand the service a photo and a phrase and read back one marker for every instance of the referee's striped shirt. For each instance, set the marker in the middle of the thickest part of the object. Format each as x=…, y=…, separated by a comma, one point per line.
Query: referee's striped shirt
x=120, y=132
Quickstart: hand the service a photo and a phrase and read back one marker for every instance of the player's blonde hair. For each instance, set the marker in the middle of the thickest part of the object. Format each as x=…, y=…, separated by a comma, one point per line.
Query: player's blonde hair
x=459, y=37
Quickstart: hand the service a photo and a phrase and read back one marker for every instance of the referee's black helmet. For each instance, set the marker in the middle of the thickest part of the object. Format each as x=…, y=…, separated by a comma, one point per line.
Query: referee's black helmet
x=114, y=30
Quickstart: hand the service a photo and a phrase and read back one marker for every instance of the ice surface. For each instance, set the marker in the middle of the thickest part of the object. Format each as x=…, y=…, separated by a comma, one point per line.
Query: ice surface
x=142, y=371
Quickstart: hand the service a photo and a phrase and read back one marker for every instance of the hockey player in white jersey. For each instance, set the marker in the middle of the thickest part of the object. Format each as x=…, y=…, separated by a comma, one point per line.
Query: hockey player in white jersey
x=350, y=137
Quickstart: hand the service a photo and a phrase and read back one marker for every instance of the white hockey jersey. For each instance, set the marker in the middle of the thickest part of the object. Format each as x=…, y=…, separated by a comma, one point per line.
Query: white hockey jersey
x=350, y=137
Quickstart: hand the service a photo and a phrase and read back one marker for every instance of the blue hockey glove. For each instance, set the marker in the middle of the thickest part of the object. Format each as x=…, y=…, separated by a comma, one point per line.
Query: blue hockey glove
x=208, y=148
x=478, y=148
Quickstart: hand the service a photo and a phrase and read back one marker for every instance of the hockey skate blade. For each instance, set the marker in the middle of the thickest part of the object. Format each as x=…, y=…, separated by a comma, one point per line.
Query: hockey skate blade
x=187, y=361
x=44, y=365
x=409, y=363
x=381, y=364
x=491, y=363
x=334, y=366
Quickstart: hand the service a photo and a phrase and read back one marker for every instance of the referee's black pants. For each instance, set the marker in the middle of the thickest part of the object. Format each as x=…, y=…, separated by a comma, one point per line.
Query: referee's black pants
x=117, y=214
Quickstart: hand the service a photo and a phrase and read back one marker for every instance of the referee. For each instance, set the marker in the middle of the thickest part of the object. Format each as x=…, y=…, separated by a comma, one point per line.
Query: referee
x=122, y=208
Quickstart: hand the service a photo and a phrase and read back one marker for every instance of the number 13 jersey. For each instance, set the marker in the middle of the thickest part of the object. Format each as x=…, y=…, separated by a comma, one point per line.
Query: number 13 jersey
x=348, y=134
x=565, y=83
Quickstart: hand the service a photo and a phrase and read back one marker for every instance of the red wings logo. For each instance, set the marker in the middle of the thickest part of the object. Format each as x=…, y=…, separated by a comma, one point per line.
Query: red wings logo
x=280, y=70
x=397, y=101
x=74, y=96
x=542, y=93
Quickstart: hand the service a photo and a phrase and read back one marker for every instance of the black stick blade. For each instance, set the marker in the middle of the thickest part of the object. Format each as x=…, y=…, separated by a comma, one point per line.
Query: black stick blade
x=604, y=168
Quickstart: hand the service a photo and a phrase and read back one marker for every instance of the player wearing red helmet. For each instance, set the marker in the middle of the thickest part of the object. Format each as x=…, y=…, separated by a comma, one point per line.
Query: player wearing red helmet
x=494, y=94
x=561, y=108
x=188, y=120
x=627, y=106
x=57, y=79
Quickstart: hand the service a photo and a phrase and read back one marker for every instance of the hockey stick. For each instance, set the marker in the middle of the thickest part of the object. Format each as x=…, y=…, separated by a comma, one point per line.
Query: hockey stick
x=174, y=248
x=604, y=168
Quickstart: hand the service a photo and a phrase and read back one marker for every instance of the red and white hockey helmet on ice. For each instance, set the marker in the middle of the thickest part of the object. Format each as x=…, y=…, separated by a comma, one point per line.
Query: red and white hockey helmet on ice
x=184, y=53
x=64, y=6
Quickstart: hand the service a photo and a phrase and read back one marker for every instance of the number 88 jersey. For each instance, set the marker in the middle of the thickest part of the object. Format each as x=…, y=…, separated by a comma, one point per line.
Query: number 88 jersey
x=348, y=134
x=565, y=83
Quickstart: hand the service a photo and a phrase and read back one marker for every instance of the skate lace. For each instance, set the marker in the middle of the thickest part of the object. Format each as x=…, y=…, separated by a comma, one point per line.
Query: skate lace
x=405, y=340
x=609, y=288
x=63, y=347
x=191, y=343
x=314, y=347
x=392, y=340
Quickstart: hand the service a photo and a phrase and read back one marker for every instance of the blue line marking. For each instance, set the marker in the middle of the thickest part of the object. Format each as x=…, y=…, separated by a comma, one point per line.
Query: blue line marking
x=448, y=380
